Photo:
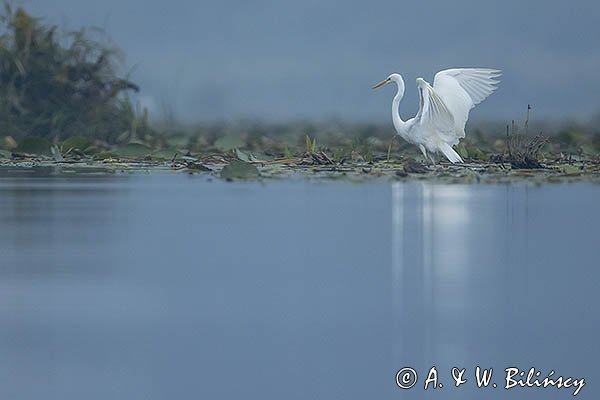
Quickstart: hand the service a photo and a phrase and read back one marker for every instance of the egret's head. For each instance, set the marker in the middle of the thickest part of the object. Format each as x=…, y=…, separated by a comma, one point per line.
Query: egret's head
x=389, y=79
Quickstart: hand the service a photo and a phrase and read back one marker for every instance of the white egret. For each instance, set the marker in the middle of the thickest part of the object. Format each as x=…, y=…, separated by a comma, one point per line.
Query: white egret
x=443, y=109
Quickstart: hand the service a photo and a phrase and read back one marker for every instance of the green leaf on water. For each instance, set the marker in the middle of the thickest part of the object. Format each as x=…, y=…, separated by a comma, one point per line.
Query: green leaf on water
x=133, y=150
x=165, y=154
x=260, y=157
x=34, y=145
x=239, y=170
x=571, y=170
x=242, y=156
x=251, y=157
x=229, y=142
x=76, y=142
x=91, y=150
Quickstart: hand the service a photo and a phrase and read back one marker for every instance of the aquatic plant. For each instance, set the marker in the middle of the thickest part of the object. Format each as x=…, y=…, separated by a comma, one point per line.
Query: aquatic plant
x=311, y=145
x=522, y=152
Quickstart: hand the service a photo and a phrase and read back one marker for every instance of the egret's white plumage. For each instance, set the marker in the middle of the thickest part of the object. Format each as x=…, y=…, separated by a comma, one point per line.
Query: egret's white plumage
x=443, y=108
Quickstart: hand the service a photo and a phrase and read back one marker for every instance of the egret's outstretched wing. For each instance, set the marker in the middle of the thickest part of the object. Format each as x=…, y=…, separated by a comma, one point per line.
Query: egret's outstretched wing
x=462, y=88
x=433, y=112
x=436, y=122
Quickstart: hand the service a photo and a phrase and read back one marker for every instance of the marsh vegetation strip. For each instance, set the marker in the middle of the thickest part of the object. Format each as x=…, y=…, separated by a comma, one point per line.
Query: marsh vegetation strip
x=232, y=169
x=65, y=97
x=149, y=285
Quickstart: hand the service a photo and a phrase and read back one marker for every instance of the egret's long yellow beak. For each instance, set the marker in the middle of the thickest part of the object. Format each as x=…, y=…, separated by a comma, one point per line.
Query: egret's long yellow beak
x=380, y=84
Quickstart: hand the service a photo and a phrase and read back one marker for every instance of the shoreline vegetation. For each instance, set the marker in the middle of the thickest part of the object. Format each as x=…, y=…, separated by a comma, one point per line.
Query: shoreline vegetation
x=63, y=104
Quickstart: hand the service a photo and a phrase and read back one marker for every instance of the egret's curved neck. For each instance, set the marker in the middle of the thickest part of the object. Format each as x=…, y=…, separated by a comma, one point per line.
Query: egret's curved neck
x=399, y=124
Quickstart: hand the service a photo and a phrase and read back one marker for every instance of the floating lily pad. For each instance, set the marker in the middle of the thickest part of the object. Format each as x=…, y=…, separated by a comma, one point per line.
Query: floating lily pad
x=229, y=142
x=164, y=154
x=133, y=150
x=76, y=142
x=571, y=170
x=34, y=145
x=239, y=170
x=251, y=157
x=242, y=156
x=91, y=150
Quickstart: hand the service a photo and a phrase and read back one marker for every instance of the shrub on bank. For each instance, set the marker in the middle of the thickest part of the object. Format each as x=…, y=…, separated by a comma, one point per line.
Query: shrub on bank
x=57, y=84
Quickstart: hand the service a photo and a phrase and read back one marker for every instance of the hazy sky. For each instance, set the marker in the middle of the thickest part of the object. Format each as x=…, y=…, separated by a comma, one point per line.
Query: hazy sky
x=319, y=58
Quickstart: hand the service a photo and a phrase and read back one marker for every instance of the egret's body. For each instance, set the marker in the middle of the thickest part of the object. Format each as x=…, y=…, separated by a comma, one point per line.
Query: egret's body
x=443, y=108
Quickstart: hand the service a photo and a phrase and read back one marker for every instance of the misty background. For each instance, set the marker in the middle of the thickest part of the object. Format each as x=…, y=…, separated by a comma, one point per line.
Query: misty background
x=317, y=59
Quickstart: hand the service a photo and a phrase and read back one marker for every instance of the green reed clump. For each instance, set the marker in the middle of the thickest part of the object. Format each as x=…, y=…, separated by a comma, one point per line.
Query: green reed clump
x=59, y=84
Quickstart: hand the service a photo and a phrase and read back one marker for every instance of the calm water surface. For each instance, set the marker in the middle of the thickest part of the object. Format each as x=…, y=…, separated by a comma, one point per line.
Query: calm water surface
x=167, y=286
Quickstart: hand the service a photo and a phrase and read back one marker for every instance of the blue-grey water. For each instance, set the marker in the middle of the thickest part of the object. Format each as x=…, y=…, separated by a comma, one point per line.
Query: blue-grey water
x=167, y=286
